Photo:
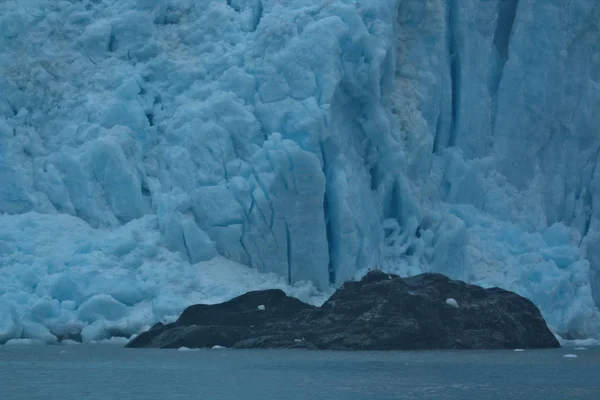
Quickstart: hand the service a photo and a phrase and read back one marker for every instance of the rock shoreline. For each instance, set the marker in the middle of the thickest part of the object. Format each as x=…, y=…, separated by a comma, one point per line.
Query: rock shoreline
x=379, y=312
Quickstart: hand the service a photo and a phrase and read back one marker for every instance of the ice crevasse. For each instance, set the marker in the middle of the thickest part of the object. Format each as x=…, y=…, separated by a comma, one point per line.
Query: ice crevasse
x=157, y=153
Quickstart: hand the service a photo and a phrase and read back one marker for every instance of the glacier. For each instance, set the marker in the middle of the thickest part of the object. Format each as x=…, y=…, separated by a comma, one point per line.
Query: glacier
x=159, y=153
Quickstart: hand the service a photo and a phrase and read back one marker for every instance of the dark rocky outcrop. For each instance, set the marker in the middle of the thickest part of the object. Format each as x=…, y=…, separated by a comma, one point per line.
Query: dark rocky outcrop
x=379, y=312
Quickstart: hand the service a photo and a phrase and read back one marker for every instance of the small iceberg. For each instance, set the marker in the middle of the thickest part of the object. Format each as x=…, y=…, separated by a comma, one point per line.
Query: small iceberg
x=183, y=348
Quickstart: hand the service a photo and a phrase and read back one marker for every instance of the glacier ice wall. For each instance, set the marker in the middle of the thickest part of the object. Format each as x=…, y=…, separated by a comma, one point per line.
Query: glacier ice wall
x=145, y=143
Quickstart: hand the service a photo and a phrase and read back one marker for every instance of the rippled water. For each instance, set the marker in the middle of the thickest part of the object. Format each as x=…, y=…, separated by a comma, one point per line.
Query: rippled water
x=110, y=372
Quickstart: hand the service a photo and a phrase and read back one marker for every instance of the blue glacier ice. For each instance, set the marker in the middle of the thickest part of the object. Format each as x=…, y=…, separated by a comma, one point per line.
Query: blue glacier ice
x=157, y=153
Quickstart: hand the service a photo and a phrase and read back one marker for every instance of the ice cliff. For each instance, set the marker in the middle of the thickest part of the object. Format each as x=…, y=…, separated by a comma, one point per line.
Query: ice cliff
x=150, y=149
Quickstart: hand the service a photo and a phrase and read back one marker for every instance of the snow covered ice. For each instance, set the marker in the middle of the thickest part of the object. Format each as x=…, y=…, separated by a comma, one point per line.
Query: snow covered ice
x=157, y=153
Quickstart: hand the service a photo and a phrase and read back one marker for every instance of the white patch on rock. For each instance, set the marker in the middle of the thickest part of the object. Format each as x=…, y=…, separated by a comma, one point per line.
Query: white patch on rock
x=452, y=303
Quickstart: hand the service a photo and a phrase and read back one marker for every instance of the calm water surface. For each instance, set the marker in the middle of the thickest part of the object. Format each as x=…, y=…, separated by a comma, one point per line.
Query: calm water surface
x=110, y=372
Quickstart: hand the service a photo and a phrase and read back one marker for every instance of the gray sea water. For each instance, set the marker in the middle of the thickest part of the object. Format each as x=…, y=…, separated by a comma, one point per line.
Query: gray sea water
x=109, y=372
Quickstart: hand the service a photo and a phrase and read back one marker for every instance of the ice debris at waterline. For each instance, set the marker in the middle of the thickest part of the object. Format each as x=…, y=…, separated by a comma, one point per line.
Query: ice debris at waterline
x=379, y=312
x=186, y=349
x=305, y=139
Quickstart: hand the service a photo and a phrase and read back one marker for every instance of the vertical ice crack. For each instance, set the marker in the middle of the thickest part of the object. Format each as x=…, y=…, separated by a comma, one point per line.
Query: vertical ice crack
x=233, y=5
x=263, y=188
x=326, y=215
x=257, y=16
x=185, y=244
x=112, y=42
x=589, y=200
x=292, y=169
x=288, y=239
x=438, y=133
x=455, y=74
x=507, y=12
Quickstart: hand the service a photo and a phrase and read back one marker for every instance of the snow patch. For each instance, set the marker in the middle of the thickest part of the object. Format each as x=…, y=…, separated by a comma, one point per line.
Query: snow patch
x=452, y=303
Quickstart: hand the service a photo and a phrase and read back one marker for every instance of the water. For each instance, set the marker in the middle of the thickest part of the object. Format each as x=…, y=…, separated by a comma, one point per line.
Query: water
x=110, y=372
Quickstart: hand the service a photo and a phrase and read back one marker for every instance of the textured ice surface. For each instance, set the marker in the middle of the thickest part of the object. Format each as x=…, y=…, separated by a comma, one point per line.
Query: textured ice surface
x=65, y=279
x=150, y=149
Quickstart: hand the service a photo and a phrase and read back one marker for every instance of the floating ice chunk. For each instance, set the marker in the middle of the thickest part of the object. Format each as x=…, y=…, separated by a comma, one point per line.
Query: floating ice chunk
x=591, y=342
x=116, y=341
x=69, y=342
x=183, y=348
x=262, y=307
x=519, y=350
x=218, y=347
x=580, y=348
x=570, y=356
x=577, y=343
x=24, y=342
x=452, y=303
x=298, y=340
